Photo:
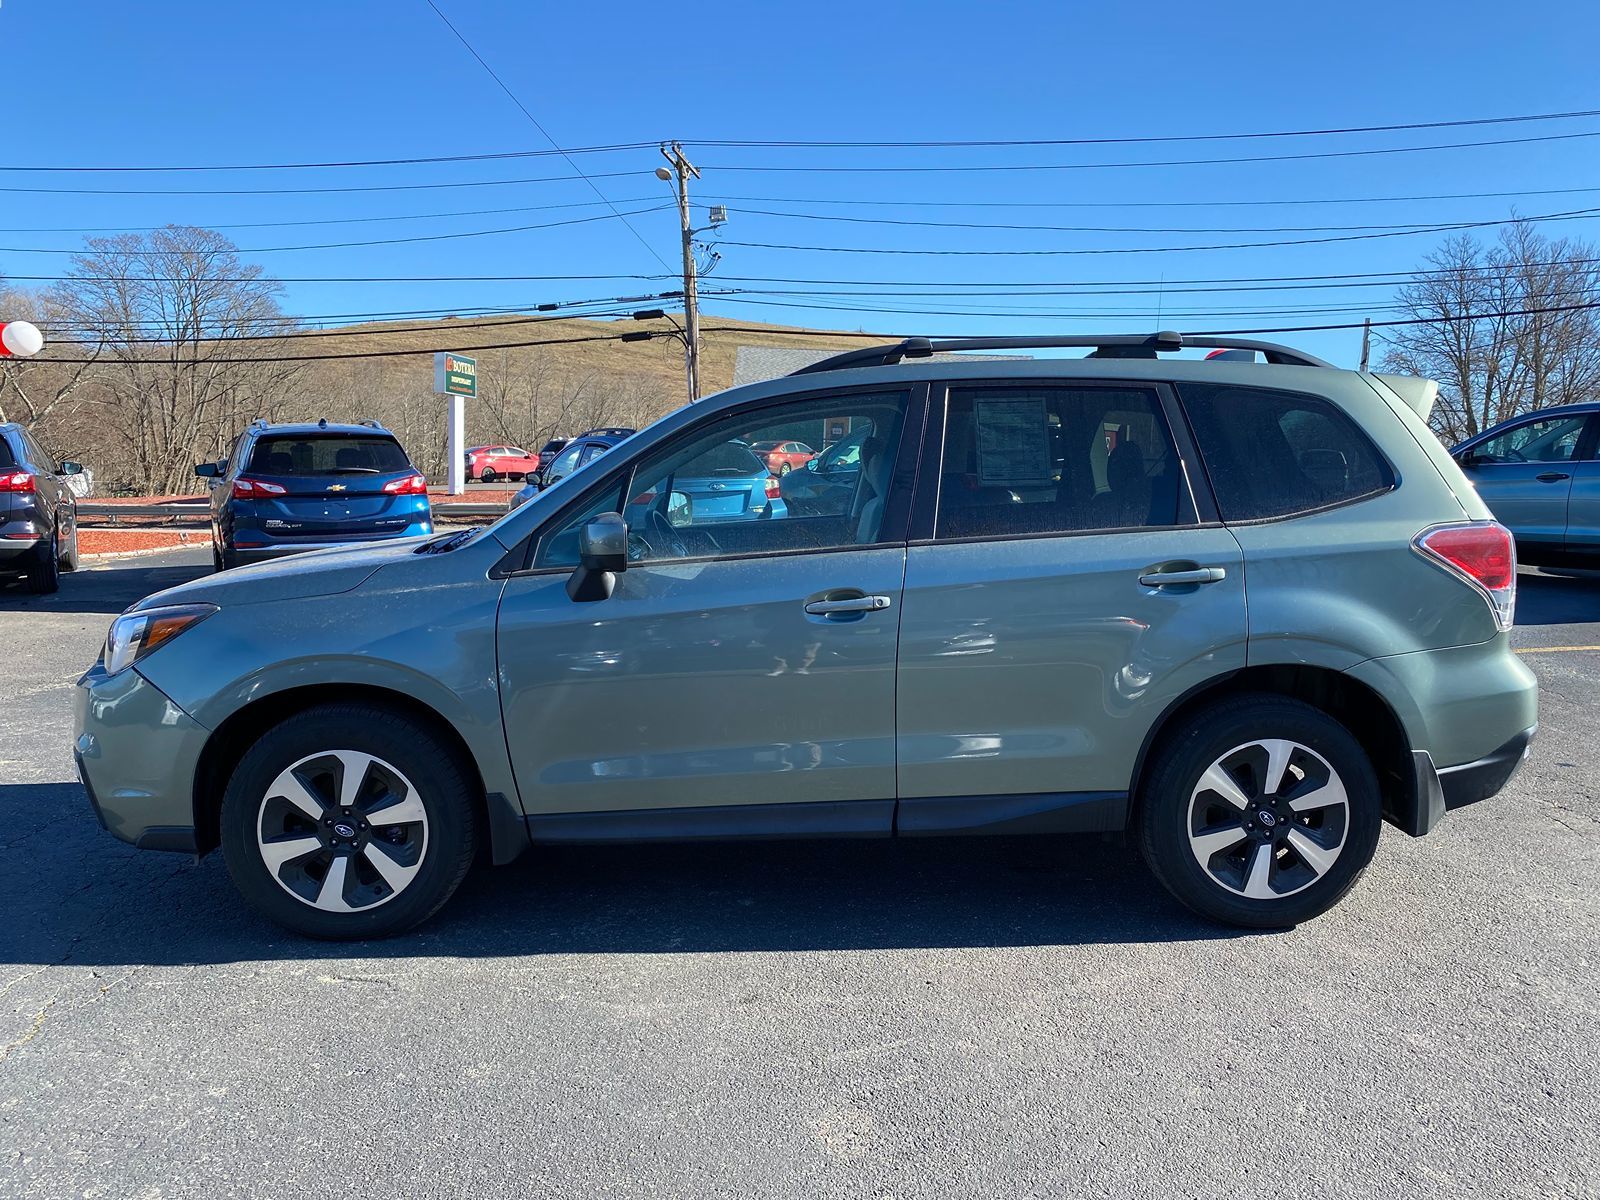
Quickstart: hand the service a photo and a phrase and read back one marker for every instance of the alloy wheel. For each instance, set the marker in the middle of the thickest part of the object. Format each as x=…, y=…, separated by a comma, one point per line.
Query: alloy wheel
x=342, y=831
x=1268, y=819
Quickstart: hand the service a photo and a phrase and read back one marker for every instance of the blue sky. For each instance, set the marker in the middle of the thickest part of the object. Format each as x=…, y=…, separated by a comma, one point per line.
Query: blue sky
x=96, y=84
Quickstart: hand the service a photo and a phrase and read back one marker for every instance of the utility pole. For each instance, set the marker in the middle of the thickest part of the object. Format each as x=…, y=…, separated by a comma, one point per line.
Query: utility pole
x=1366, y=342
x=682, y=168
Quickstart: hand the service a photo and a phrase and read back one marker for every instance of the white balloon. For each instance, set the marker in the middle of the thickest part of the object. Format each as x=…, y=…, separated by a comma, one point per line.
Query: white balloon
x=21, y=338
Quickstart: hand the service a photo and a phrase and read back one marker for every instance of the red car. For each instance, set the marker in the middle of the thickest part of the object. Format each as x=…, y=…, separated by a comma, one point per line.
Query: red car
x=783, y=457
x=489, y=463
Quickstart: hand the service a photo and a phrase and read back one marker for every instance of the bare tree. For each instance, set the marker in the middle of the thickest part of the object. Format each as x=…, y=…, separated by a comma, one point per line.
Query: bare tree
x=1501, y=328
x=176, y=312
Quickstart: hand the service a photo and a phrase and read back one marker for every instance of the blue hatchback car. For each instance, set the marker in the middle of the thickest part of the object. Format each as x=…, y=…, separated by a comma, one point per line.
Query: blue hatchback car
x=288, y=488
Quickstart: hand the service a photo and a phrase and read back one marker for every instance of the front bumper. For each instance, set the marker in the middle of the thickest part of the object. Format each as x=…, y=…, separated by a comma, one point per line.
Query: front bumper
x=136, y=753
x=271, y=550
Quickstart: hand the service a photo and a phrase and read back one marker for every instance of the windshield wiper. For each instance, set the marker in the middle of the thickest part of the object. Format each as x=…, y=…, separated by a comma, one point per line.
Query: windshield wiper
x=450, y=541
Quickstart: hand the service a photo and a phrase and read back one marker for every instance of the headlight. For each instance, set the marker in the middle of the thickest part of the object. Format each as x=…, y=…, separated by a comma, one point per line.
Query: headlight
x=135, y=634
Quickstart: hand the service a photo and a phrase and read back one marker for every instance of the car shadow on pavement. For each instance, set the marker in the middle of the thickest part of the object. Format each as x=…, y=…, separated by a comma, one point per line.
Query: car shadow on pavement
x=1568, y=598
x=100, y=590
x=75, y=896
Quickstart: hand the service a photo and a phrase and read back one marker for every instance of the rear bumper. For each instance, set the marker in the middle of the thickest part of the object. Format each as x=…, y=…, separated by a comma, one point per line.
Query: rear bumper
x=1482, y=778
x=17, y=547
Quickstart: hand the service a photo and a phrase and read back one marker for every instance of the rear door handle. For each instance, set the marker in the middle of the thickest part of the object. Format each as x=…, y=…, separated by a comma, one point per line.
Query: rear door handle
x=856, y=604
x=1171, y=578
x=1552, y=477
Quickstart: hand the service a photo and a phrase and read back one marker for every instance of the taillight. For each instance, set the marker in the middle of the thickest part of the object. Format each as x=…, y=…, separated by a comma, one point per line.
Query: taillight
x=20, y=481
x=249, y=489
x=411, y=485
x=1484, y=555
x=772, y=487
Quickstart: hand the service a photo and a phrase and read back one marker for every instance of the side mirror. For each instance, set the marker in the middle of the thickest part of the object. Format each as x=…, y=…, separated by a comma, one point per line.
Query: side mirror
x=680, y=510
x=602, y=552
x=207, y=470
x=70, y=468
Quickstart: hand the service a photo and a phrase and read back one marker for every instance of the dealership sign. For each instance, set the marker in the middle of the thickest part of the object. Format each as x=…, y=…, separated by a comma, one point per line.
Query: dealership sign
x=455, y=374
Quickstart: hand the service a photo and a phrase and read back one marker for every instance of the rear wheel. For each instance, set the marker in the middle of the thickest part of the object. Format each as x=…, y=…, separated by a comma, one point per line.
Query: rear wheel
x=44, y=572
x=784, y=469
x=488, y=475
x=348, y=821
x=1260, y=811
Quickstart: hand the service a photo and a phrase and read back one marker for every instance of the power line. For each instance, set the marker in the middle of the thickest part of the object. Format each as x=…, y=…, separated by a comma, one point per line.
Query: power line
x=316, y=191
x=1177, y=162
x=428, y=237
x=535, y=122
x=281, y=358
x=725, y=198
x=371, y=162
x=1582, y=214
x=614, y=147
x=1124, y=141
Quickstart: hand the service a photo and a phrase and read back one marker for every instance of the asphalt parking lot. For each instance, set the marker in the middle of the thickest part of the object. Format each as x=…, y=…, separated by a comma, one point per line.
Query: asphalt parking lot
x=994, y=1018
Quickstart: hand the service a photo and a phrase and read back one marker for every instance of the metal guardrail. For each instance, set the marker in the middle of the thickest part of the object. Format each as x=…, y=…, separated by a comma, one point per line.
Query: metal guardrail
x=199, y=514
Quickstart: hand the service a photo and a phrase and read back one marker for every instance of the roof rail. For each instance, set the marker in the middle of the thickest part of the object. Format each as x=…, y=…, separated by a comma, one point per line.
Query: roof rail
x=1117, y=345
x=258, y=423
x=607, y=431
x=371, y=424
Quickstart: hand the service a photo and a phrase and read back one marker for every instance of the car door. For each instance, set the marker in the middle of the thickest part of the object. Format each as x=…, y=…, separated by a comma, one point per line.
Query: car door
x=1061, y=592
x=58, y=504
x=563, y=464
x=740, y=677
x=1524, y=474
x=1583, y=502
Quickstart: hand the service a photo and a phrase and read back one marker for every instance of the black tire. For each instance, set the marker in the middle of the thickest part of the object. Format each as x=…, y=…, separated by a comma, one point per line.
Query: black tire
x=44, y=569
x=442, y=785
x=488, y=475
x=229, y=558
x=1166, y=819
x=216, y=556
x=784, y=469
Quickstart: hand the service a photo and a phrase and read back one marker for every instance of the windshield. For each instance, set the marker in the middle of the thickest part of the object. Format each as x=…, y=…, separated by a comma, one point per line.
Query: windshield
x=328, y=454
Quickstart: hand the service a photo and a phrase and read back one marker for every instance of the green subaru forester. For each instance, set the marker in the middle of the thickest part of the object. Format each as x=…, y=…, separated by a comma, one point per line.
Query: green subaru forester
x=1244, y=610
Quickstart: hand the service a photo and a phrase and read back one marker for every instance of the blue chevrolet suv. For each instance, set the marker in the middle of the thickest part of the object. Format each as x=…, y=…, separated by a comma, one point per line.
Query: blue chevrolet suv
x=288, y=488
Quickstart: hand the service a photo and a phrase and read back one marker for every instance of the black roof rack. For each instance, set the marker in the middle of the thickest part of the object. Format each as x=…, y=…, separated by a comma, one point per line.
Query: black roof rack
x=606, y=431
x=1116, y=345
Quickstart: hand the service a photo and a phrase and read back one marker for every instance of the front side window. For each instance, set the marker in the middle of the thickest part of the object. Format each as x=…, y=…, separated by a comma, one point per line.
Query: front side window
x=1546, y=440
x=1274, y=454
x=566, y=462
x=329, y=454
x=708, y=493
x=1054, y=459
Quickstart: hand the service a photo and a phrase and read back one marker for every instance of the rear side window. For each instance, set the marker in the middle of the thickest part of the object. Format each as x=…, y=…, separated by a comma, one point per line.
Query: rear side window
x=328, y=455
x=7, y=459
x=1057, y=460
x=1274, y=454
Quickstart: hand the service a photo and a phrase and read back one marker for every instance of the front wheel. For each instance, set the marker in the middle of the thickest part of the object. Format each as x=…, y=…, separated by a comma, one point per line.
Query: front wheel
x=349, y=821
x=1260, y=811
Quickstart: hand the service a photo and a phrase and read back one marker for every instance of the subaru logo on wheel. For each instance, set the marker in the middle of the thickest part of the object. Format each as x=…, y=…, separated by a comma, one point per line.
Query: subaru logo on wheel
x=345, y=831
x=1268, y=818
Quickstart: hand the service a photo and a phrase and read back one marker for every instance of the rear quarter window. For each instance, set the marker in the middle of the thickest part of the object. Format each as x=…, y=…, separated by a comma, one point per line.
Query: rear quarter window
x=1275, y=454
x=7, y=458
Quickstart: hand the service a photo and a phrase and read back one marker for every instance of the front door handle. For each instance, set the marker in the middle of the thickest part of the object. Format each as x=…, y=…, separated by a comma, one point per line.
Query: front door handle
x=1552, y=477
x=856, y=604
x=1155, y=579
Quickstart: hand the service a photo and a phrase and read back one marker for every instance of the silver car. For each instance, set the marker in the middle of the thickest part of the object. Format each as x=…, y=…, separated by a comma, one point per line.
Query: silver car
x=1540, y=475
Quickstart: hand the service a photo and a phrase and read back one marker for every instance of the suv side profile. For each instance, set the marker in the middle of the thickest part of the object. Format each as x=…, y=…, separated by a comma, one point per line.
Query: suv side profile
x=289, y=488
x=580, y=451
x=38, y=512
x=1245, y=612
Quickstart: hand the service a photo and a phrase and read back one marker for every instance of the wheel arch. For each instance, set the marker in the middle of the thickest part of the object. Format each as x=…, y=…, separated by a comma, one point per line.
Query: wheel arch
x=500, y=814
x=1359, y=708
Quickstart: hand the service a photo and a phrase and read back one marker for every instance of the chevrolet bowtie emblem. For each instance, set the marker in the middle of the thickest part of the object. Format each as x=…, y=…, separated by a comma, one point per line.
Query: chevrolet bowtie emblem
x=336, y=487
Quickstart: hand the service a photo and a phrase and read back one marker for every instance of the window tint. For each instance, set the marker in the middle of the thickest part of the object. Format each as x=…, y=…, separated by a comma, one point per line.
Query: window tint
x=706, y=494
x=1270, y=454
x=1057, y=460
x=328, y=455
x=7, y=458
x=1549, y=439
x=565, y=463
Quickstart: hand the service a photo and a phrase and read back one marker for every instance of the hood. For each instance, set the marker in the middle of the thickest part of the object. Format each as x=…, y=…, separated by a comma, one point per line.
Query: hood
x=314, y=573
